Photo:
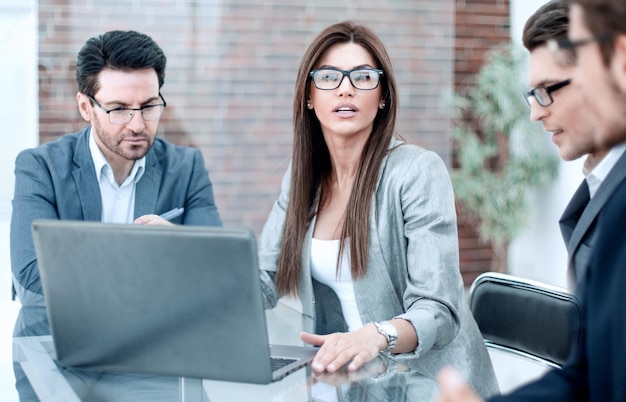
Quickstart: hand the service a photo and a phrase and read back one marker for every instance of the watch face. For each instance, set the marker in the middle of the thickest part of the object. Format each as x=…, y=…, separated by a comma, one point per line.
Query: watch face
x=391, y=331
x=388, y=331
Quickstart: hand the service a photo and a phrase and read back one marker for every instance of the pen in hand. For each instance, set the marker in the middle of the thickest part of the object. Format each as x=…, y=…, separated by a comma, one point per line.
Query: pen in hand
x=171, y=214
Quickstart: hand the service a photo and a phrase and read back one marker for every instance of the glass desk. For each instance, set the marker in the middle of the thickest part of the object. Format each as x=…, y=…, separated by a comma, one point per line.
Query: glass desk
x=40, y=378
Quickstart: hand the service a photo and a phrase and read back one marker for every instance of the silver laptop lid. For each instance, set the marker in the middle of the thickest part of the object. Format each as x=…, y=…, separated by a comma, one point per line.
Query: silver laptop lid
x=174, y=300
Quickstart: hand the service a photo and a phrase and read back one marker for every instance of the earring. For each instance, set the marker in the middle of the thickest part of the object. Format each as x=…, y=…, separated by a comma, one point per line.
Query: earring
x=382, y=105
x=309, y=106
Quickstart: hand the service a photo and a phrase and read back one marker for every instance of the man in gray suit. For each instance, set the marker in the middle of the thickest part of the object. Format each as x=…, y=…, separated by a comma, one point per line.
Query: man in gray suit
x=561, y=109
x=115, y=170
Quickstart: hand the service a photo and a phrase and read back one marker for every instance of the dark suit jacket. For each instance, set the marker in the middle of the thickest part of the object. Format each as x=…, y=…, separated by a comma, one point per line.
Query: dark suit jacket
x=579, y=230
x=597, y=369
x=58, y=181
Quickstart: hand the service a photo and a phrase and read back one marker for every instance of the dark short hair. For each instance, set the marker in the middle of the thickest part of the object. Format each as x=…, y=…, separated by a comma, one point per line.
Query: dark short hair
x=117, y=50
x=550, y=21
x=605, y=19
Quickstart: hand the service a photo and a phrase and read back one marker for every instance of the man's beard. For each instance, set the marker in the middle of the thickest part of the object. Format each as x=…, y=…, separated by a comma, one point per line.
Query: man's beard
x=113, y=144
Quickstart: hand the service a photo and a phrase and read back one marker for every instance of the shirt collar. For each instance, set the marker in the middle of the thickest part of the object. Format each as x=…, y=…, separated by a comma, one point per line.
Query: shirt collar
x=599, y=174
x=102, y=165
x=606, y=164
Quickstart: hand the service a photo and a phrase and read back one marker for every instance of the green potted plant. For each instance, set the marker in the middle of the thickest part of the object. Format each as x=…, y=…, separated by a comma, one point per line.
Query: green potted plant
x=501, y=153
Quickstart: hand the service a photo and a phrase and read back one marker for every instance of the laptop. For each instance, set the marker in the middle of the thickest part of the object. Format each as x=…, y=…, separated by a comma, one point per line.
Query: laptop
x=169, y=300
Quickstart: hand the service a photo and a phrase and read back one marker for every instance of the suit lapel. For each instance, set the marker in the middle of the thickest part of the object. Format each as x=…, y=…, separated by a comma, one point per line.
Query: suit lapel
x=147, y=189
x=87, y=188
x=615, y=176
x=372, y=308
x=573, y=211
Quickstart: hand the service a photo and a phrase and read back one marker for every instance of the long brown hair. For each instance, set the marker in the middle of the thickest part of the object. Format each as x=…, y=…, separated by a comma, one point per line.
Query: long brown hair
x=311, y=164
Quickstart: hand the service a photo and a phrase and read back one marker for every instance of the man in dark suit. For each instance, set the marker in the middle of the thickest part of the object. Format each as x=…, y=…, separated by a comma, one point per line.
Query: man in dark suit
x=115, y=170
x=560, y=107
x=597, y=367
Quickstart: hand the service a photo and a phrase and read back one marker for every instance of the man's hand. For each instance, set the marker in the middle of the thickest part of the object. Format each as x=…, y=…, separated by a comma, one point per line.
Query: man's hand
x=453, y=388
x=152, y=220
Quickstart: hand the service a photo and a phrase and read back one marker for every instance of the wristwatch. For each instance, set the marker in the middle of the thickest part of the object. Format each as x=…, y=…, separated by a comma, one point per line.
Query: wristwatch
x=386, y=329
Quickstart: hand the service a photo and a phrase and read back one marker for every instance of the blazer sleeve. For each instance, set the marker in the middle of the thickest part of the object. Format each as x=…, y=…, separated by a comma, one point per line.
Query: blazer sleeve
x=200, y=206
x=33, y=198
x=433, y=281
x=270, y=240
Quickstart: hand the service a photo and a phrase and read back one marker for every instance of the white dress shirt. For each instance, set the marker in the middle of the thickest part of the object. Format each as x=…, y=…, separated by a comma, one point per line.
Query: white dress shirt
x=118, y=202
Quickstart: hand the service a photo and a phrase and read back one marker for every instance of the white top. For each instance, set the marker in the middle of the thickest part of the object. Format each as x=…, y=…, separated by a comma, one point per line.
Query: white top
x=597, y=175
x=324, y=270
x=118, y=202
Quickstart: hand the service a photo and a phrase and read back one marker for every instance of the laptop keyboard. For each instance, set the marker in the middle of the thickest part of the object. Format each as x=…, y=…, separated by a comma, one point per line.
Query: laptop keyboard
x=278, y=362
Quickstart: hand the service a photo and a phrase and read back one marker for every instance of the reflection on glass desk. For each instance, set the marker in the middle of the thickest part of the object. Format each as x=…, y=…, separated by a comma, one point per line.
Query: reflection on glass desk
x=382, y=379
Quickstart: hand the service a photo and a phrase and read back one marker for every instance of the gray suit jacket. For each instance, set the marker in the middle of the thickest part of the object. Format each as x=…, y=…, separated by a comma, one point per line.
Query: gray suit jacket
x=413, y=269
x=58, y=181
x=579, y=229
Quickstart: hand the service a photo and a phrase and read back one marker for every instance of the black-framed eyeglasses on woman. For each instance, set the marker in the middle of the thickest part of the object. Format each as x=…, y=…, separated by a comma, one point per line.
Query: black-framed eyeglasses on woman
x=328, y=78
x=122, y=115
x=543, y=95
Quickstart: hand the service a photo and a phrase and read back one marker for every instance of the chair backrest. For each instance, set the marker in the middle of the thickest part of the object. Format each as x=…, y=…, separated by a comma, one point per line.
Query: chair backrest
x=525, y=317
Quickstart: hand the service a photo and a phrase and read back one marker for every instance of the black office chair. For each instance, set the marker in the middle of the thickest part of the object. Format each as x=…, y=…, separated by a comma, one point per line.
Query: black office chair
x=527, y=318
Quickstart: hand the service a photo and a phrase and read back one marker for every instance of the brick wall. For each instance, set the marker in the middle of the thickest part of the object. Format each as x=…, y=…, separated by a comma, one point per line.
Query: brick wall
x=231, y=70
x=230, y=77
x=480, y=26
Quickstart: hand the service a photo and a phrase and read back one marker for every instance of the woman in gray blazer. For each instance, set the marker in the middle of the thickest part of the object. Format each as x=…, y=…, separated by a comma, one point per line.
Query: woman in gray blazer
x=364, y=230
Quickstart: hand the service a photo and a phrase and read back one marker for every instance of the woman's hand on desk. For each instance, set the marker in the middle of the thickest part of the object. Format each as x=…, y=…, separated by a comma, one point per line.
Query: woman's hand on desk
x=356, y=348
x=380, y=367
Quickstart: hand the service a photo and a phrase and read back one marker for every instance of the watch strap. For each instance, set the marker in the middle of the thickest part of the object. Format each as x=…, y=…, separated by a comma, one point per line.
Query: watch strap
x=386, y=329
